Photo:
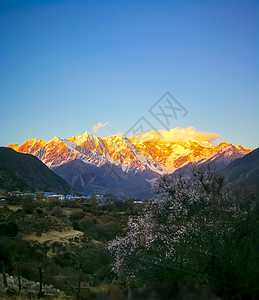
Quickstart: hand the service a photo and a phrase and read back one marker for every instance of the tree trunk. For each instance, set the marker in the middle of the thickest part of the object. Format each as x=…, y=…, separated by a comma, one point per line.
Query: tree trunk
x=19, y=277
x=129, y=293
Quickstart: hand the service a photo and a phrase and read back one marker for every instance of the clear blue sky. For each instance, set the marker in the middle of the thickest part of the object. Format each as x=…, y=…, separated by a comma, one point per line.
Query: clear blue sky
x=67, y=65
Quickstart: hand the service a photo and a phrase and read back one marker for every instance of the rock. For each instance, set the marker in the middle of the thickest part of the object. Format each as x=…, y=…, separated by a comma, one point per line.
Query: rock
x=49, y=294
x=36, y=286
x=10, y=280
x=48, y=286
x=26, y=285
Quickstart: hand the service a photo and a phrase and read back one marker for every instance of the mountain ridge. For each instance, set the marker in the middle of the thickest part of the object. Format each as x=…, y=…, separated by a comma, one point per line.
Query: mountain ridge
x=128, y=153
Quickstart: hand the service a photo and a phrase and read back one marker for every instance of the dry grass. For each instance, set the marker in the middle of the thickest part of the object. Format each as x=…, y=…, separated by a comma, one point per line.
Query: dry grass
x=54, y=236
x=14, y=207
x=71, y=210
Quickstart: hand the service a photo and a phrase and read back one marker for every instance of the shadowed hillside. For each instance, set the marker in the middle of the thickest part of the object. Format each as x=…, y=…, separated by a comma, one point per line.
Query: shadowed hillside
x=27, y=172
x=88, y=179
x=244, y=169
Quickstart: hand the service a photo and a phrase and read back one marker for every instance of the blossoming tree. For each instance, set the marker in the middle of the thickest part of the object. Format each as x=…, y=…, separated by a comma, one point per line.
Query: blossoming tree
x=183, y=230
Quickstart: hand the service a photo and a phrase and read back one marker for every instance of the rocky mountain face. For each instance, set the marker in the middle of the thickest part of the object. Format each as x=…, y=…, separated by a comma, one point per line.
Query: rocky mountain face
x=107, y=178
x=125, y=153
x=117, y=162
x=219, y=161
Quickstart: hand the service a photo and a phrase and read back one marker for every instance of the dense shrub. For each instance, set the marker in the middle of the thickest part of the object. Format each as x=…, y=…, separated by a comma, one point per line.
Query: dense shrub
x=28, y=205
x=76, y=216
x=57, y=212
x=8, y=229
x=76, y=225
x=99, y=229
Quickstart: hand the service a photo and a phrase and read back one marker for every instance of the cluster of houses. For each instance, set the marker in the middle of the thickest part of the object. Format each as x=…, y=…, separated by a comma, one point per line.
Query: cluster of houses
x=49, y=196
x=46, y=196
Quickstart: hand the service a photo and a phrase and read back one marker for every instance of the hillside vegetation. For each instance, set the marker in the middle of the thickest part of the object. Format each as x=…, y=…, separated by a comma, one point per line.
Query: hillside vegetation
x=26, y=172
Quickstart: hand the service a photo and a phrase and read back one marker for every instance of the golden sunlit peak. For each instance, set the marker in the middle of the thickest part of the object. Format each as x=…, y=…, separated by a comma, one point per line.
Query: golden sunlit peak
x=14, y=146
x=31, y=141
x=56, y=139
x=86, y=133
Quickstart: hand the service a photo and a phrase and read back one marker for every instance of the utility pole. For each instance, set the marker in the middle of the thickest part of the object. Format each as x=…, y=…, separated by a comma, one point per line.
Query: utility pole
x=4, y=275
x=79, y=281
x=19, y=276
x=40, y=275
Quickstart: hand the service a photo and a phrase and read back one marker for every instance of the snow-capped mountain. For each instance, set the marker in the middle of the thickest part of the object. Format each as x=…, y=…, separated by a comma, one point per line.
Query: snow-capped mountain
x=123, y=166
x=128, y=153
x=219, y=161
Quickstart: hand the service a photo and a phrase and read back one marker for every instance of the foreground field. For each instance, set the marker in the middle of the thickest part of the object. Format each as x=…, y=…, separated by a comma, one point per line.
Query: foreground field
x=196, y=238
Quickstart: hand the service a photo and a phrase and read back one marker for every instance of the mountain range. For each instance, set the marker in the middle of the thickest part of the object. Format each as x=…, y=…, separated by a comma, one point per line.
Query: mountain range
x=121, y=165
x=126, y=153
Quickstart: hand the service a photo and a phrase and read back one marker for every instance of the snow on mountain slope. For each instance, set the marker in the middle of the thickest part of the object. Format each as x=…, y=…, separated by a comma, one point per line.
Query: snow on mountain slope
x=219, y=161
x=128, y=154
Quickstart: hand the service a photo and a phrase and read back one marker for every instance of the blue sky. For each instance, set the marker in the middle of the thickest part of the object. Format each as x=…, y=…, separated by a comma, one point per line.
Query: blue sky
x=67, y=65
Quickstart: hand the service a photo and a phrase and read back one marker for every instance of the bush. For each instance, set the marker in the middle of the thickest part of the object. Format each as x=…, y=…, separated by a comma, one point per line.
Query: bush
x=29, y=205
x=77, y=216
x=57, y=212
x=39, y=211
x=76, y=225
x=8, y=229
